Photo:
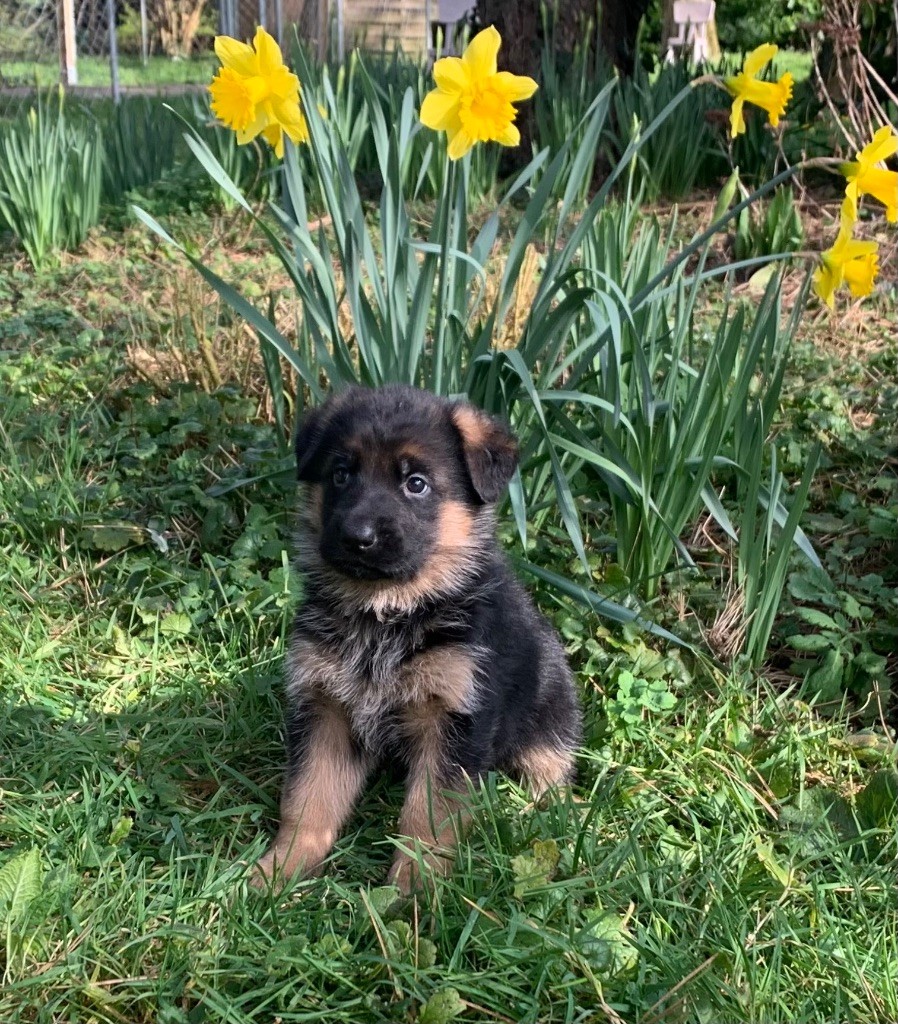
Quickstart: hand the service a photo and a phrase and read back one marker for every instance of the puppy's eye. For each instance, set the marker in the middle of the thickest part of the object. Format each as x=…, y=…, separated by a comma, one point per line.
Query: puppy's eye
x=340, y=476
x=417, y=485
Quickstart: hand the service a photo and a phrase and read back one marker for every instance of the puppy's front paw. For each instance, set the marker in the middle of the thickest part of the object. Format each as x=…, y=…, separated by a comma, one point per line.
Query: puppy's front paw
x=406, y=872
x=282, y=862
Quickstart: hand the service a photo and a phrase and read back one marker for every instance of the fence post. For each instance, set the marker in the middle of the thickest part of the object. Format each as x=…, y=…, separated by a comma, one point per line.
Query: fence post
x=68, y=54
x=113, y=51
x=144, y=41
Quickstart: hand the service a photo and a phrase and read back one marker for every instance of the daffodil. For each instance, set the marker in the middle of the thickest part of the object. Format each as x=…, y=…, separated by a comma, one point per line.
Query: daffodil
x=865, y=178
x=254, y=92
x=747, y=88
x=849, y=261
x=473, y=101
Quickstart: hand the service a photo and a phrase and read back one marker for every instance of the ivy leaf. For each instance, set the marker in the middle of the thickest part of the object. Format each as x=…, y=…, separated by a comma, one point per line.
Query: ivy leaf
x=827, y=681
x=442, y=1007
x=533, y=869
x=605, y=943
x=383, y=897
x=112, y=536
x=175, y=624
x=877, y=803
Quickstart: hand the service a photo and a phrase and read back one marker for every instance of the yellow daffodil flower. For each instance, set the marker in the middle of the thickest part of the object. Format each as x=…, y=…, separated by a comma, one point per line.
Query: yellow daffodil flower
x=747, y=88
x=866, y=179
x=849, y=261
x=254, y=92
x=473, y=101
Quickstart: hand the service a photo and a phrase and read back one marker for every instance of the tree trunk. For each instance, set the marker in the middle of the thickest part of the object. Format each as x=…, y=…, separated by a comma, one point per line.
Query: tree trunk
x=520, y=24
x=619, y=27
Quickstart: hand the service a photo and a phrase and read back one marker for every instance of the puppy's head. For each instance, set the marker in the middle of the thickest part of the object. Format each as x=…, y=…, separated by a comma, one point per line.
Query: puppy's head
x=401, y=488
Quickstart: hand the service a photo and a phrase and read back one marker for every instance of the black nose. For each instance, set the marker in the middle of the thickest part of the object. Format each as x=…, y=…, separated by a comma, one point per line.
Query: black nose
x=360, y=536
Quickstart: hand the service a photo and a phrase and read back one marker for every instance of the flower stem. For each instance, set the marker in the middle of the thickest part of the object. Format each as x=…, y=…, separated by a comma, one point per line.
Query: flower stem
x=446, y=223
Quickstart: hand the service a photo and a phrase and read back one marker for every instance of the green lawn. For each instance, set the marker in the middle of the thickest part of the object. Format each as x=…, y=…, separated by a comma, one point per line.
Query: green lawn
x=799, y=63
x=729, y=859
x=95, y=72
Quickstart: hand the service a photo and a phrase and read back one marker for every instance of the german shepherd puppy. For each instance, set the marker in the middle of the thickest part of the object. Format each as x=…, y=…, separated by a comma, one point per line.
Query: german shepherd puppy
x=415, y=642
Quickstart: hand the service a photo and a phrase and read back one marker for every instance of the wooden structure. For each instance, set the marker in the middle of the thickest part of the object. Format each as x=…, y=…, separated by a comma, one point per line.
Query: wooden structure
x=691, y=19
x=383, y=25
x=335, y=27
x=409, y=25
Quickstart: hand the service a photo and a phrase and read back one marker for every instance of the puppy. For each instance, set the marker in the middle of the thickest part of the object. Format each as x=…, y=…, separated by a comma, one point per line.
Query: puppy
x=415, y=642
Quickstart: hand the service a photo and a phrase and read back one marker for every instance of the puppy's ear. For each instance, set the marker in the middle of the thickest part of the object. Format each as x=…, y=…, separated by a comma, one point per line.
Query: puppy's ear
x=309, y=438
x=490, y=450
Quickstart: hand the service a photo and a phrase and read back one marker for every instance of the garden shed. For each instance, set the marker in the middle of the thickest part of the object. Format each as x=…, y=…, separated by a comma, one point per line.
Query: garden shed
x=339, y=26
x=394, y=24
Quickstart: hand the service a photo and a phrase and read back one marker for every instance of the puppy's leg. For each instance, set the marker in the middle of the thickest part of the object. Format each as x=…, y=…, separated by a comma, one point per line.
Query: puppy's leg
x=544, y=766
x=325, y=777
x=430, y=817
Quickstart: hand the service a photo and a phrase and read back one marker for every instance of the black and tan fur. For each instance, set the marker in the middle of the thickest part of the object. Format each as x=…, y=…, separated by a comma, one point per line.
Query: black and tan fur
x=415, y=642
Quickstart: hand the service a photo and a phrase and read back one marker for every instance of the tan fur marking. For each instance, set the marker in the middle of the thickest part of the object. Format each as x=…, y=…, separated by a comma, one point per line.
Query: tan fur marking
x=309, y=665
x=450, y=561
x=544, y=767
x=412, y=452
x=445, y=674
x=429, y=817
x=473, y=426
x=454, y=526
x=317, y=801
x=314, y=506
x=454, y=535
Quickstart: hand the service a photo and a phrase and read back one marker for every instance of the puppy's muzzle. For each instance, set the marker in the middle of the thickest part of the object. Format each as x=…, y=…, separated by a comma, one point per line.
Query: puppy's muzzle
x=360, y=536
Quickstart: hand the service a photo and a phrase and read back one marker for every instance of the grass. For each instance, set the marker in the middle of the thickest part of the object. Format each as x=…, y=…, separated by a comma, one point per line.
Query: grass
x=94, y=72
x=727, y=858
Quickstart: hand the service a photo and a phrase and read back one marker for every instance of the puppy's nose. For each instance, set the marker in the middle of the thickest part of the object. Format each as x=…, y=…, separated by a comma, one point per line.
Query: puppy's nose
x=361, y=535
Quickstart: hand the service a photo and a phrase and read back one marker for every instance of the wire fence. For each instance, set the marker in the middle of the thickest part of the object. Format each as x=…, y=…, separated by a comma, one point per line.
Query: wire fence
x=109, y=46
x=105, y=47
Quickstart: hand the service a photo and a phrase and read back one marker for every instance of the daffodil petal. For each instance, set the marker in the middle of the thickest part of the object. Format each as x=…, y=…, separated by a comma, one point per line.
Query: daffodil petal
x=460, y=144
x=848, y=212
x=450, y=74
x=860, y=275
x=236, y=56
x=884, y=144
x=438, y=110
x=509, y=136
x=291, y=118
x=825, y=285
x=758, y=57
x=737, y=121
x=274, y=136
x=515, y=87
x=253, y=129
x=857, y=248
x=270, y=58
x=882, y=185
x=482, y=52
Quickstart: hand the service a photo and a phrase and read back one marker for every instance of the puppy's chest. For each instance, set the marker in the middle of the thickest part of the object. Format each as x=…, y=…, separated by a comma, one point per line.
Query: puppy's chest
x=382, y=673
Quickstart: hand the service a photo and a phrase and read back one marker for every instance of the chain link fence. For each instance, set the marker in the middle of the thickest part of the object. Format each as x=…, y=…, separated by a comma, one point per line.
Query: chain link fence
x=166, y=45
x=156, y=45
